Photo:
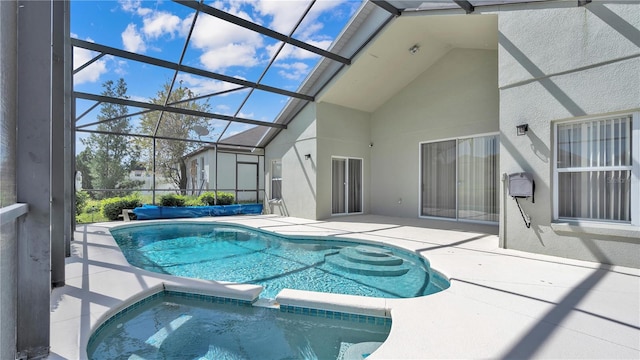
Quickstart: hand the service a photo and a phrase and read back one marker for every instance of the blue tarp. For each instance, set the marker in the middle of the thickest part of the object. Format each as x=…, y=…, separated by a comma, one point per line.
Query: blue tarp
x=150, y=212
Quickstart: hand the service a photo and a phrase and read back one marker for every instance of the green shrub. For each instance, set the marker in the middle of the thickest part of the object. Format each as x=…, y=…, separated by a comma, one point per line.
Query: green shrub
x=225, y=198
x=193, y=201
x=172, y=200
x=208, y=198
x=112, y=207
x=81, y=201
x=91, y=213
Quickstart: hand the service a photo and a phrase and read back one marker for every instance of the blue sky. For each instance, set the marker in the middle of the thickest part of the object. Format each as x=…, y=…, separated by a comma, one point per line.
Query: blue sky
x=159, y=29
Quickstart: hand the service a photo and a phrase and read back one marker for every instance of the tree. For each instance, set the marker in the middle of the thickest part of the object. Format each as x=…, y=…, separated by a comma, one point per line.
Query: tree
x=170, y=161
x=83, y=162
x=111, y=156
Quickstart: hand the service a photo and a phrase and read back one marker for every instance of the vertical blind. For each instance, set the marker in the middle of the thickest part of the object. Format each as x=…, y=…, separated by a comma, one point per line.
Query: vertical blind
x=355, y=185
x=346, y=196
x=439, y=179
x=460, y=179
x=478, y=178
x=594, y=169
x=337, y=183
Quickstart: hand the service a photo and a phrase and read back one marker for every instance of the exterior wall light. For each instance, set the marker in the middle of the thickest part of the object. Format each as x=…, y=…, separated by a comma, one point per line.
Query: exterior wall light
x=414, y=49
x=307, y=156
x=522, y=129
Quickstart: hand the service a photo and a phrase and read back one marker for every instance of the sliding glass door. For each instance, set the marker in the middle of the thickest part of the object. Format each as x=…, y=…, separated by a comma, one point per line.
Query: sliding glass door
x=439, y=179
x=346, y=183
x=460, y=179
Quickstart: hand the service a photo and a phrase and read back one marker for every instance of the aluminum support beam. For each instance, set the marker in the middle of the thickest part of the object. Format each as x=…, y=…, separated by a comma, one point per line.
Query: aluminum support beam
x=166, y=138
x=70, y=132
x=184, y=68
x=465, y=5
x=57, y=214
x=388, y=7
x=33, y=174
x=144, y=105
x=9, y=210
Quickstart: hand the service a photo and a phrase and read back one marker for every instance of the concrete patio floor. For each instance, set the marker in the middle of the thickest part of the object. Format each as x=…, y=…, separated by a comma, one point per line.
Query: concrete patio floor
x=501, y=303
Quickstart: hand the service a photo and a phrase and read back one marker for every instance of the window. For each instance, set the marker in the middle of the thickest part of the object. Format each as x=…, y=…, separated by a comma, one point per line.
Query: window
x=346, y=184
x=460, y=179
x=594, y=168
x=276, y=179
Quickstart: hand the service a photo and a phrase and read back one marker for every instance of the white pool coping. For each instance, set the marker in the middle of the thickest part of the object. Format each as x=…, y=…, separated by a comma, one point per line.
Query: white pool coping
x=501, y=303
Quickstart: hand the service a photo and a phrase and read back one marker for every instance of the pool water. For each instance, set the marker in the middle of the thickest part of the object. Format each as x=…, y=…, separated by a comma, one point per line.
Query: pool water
x=170, y=326
x=236, y=254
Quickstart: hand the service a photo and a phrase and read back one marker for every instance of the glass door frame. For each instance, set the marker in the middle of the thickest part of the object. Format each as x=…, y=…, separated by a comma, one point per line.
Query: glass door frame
x=457, y=209
x=346, y=185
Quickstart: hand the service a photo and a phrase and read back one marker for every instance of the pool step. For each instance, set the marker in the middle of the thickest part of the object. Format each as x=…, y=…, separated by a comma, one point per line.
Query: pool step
x=371, y=251
x=366, y=260
x=368, y=257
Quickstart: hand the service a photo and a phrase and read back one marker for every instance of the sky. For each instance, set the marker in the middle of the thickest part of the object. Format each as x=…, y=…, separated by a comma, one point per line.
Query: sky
x=159, y=29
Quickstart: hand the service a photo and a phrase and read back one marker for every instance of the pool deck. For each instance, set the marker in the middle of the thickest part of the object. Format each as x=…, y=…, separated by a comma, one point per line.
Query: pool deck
x=501, y=303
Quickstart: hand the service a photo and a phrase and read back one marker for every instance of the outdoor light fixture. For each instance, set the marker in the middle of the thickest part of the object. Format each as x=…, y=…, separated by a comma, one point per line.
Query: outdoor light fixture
x=522, y=129
x=307, y=156
x=414, y=49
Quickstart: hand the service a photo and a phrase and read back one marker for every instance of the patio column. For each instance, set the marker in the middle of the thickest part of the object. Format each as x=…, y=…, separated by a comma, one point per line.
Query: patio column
x=33, y=175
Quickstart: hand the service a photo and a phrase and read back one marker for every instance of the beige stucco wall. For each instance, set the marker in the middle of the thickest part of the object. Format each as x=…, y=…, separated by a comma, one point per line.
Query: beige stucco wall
x=298, y=175
x=455, y=97
x=571, y=62
x=342, y=132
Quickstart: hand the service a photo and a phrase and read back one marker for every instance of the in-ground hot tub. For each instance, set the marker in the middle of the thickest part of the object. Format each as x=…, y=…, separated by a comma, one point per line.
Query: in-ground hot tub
x=180, y=325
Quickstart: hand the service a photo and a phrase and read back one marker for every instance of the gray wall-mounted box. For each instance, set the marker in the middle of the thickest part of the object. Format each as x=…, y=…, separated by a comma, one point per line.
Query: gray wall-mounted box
x=521, y=185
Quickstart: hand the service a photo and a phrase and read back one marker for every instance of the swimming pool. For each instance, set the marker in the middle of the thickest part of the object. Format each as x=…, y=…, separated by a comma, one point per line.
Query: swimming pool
x=240, y=255
x=178, y=325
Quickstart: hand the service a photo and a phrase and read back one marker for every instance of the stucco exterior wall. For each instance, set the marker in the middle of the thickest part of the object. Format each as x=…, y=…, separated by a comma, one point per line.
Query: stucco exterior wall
x=299, y=191
x=455, y=97
x=570, y=63
x=342, y=132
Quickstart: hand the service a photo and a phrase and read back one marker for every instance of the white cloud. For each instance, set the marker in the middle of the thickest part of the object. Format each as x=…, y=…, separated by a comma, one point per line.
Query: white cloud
x=293, y=52
x=144, y=99
x=129, y=5
x=121, y=66
x=223, y=57
x=211, y=32
x=132, y=40
x=159, y=23
x=223, y=109
x=225, y=44
x=92, y=72
x=134, y=6
x=250, y=115
x=143, y=11
x=155, y=24
x=204, y=86
x=282, y=20
x=293, y=71
x=322, y=44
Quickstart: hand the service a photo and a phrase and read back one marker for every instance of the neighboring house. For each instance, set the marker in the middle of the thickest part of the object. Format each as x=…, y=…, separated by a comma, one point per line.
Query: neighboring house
x=162, y=184
x=423, y=124
x=226, y=168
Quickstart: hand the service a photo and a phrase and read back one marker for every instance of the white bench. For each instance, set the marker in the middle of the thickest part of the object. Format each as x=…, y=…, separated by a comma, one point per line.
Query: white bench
x=125, y=214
